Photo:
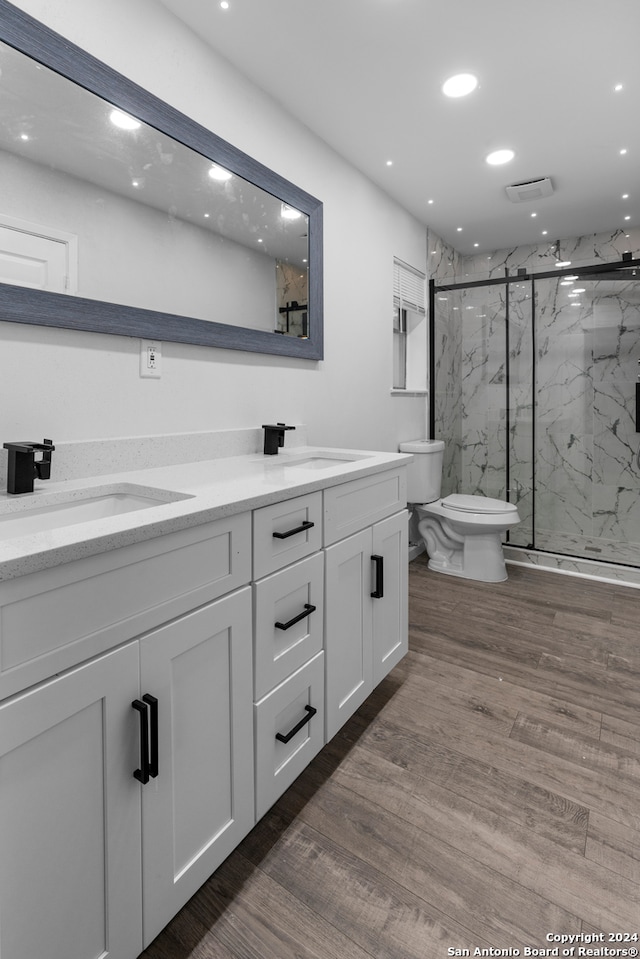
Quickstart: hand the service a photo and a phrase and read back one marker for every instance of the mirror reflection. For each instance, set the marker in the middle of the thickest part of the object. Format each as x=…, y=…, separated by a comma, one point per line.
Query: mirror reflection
x=98, y=205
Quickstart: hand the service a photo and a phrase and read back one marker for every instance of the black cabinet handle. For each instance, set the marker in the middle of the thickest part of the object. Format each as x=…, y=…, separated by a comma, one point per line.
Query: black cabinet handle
x=152, y=703
x=308, y=609
x=292, y=532
x=142, y=774
x=378, y=593
x=148, y=738
x=285, y=737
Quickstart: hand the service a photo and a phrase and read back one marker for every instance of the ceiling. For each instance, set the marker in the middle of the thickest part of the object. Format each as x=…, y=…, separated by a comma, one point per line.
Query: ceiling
x=366, y=76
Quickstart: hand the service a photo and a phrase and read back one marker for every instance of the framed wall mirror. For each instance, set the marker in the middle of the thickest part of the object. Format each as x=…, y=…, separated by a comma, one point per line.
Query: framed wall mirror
x=122, y=215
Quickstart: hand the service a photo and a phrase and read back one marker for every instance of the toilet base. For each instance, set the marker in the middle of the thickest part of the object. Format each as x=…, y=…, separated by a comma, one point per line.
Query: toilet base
x=463, y=548
x=481, y=558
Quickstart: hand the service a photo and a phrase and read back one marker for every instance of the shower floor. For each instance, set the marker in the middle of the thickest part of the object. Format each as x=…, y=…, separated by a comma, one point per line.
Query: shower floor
x=595, y=548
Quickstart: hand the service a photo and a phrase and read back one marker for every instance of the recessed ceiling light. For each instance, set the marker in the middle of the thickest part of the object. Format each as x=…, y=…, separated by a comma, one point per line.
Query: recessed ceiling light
x=224, y=4
x=627, y=217
x=123, y=120
x=544, y=232
x=459, y=229
x=500, y=156
x=429, y=201
x=476, y=244
x=623, y=151
x=460, y=85
x=625, y=196
x=219, y=173
x=24, y=136
x=389, y=162
x=534, y=214
x=618, y=87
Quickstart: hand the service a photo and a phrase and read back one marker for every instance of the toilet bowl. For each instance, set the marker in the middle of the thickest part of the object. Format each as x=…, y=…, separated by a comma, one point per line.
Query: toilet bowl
x=462, y=533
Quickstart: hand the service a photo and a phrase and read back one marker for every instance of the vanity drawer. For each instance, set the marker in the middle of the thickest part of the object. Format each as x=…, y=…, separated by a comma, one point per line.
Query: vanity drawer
x=298, y=700
x=54, y=619
x=353, y=506
x=288, y=621
x=286, y=532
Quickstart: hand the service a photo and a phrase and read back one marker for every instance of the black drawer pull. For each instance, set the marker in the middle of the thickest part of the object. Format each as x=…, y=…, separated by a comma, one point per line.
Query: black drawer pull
x=292, y=532
x=378, y=593
x=285, y=737
x=148, y=738
x=308, y=609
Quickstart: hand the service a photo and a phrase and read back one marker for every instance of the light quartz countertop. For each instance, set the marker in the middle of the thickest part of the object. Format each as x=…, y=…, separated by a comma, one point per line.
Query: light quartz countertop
x=207, y=490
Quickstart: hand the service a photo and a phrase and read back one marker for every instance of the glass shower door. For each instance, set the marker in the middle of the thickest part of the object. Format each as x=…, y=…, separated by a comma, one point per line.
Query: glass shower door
x=587, y=473
x=520, y=410
x=483, y=397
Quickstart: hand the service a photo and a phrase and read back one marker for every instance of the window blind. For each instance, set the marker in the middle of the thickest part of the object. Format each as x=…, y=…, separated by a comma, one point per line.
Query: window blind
x=408, y=288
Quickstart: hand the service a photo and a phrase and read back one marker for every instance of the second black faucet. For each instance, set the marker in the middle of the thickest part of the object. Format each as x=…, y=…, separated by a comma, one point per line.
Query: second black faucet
x=274, y=437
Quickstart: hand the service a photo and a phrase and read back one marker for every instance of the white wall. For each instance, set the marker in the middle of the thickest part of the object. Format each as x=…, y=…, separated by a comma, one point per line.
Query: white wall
x=70, y=385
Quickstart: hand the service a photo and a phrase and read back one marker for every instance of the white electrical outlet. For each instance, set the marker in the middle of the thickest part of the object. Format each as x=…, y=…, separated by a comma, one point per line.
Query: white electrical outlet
x=151, y=359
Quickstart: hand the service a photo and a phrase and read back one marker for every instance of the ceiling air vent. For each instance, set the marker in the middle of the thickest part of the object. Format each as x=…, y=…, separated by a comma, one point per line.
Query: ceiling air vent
x=530, y=190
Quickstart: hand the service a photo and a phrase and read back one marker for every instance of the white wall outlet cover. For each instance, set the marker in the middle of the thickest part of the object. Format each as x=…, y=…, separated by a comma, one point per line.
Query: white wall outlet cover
x=151, y=359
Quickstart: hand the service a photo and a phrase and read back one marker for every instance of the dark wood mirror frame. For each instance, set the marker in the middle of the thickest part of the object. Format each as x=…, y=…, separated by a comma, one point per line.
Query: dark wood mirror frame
x=23, y=305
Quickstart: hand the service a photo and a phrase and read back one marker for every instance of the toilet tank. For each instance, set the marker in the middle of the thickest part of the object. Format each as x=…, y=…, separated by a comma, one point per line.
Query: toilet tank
x=424, y=474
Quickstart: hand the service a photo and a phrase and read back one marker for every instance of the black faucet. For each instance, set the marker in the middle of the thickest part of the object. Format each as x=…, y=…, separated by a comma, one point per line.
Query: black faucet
x=23, y=467
x=274, y=437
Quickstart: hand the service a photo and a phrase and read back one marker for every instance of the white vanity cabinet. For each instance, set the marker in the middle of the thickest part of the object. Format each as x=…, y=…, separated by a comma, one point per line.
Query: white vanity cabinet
x=366, y=629
x=157, y=698
x=94, y=861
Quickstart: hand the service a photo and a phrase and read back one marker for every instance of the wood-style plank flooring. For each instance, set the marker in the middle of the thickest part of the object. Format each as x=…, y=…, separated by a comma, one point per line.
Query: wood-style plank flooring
x=487, y=794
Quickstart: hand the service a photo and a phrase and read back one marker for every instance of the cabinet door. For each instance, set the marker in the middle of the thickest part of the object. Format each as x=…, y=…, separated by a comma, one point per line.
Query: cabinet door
x=390, y=615
x=70, y=816
x=348, y=628
x=202, y=802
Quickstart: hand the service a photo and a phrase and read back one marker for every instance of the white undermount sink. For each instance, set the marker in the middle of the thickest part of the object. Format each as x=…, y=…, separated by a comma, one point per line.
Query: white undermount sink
x=54, y=511
x=317, y=461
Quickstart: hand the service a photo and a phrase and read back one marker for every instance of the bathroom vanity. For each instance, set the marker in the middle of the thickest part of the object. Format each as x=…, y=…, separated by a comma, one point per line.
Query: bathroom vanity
x=169, y=667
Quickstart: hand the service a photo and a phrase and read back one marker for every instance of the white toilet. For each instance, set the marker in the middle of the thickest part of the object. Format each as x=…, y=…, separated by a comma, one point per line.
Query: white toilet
x=462, y=534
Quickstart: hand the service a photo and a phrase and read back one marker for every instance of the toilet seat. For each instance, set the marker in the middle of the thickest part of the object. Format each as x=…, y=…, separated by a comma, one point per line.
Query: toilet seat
x=464, y=503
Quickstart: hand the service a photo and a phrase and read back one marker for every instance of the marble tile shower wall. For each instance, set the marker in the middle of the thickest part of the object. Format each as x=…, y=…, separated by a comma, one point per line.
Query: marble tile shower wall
x=583, y=250
x=444, y=265
x=586, y=473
